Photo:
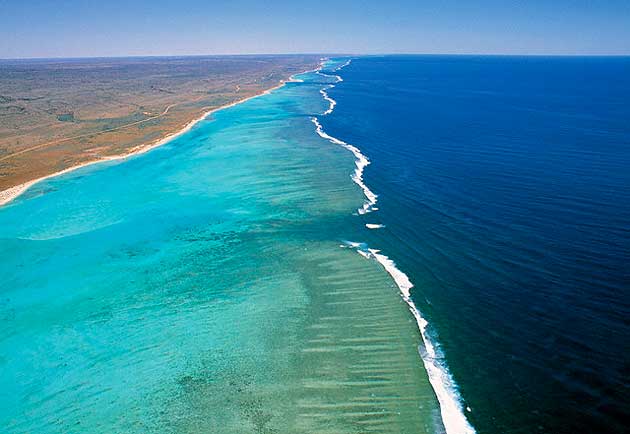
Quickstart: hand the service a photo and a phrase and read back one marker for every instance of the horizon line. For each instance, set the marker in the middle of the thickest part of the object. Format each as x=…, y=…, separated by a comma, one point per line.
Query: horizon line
x=141, y=56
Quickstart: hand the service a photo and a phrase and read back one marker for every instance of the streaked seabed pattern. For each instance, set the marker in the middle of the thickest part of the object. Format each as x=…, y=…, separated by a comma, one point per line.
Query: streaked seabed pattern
x=399, y=244
x=214, y=285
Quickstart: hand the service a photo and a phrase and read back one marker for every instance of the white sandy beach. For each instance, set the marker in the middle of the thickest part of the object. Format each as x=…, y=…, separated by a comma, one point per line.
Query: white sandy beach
x=11, y=193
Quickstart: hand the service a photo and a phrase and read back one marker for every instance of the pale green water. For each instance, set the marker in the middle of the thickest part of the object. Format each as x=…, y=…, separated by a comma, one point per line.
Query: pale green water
x=202, y=288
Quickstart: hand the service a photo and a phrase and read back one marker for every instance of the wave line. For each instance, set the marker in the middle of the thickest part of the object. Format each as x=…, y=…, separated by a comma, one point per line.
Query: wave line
x=453, y=417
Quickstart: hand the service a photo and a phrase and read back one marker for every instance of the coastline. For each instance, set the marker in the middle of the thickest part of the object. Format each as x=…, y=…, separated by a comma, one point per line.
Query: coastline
x=297, y=281
x=11, y=193
x=430, y=385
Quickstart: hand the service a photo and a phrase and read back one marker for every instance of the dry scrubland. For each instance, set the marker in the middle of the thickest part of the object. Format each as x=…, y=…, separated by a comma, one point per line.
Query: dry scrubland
x=55, y=114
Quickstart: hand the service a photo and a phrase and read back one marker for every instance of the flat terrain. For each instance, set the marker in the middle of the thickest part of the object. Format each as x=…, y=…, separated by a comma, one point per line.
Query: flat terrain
x=58, y=113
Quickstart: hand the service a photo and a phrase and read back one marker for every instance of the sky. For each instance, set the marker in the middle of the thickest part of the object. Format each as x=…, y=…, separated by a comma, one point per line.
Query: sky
x=81, y=28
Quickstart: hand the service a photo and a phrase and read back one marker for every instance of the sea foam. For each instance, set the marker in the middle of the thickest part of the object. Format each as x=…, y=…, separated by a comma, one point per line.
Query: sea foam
x=337, y=78
x=374, y=226
x=331, y=101
x=453, y=417
x=445, y=389
x=346, y=63
x=361, y=161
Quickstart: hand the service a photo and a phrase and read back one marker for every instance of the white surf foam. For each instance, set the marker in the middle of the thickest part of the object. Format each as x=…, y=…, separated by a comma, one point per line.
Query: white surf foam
x=445, y=389
x=347, y=62
x=451, y=409
x=331, y=101
x=336, y=77
x=374, y=226
x=361, y=161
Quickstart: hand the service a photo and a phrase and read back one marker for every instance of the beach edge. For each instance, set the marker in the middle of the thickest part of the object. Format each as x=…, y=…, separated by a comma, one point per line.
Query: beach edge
x=10, y=194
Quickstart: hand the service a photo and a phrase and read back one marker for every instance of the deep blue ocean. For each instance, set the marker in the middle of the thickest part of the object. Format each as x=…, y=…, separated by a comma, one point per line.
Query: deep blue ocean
x=504, y=186
x=244, y=277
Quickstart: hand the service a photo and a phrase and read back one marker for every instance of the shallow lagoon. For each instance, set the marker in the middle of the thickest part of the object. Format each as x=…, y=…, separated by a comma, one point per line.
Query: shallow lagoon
x=202, y=287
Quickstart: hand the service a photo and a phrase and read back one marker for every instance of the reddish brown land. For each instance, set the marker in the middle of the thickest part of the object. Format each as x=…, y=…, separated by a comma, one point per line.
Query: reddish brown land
x=56, y=114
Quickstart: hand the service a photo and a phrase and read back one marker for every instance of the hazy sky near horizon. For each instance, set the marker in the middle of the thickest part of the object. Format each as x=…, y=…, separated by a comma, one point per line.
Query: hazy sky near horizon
x=77, y=28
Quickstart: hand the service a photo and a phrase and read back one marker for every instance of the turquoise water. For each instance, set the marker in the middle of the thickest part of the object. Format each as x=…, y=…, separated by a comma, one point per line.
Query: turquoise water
x=205, y=287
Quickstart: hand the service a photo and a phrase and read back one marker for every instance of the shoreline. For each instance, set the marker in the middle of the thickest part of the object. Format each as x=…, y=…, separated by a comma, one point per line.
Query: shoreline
x=11, y=193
